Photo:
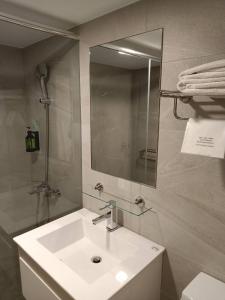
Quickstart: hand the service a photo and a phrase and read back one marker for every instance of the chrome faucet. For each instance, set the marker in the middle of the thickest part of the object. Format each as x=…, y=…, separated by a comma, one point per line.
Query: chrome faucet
x=101, y=218
x=111, y=226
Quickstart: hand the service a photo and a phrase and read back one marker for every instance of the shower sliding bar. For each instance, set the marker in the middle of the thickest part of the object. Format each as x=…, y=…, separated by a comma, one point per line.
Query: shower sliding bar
x=37, y=26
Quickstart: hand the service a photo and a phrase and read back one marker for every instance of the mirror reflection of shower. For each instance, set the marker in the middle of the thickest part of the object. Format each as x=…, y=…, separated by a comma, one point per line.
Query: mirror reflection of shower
x=44, y=189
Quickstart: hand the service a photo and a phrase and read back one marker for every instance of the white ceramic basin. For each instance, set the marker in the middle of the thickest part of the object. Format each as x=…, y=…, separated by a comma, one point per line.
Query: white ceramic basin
x=64, y=249
x=77, y=243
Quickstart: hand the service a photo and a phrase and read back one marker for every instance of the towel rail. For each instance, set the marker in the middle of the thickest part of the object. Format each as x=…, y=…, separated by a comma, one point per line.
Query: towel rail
x=175, y=95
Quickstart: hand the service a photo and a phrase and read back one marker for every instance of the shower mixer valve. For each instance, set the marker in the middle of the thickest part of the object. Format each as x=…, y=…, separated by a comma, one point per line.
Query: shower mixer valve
x=46, y=189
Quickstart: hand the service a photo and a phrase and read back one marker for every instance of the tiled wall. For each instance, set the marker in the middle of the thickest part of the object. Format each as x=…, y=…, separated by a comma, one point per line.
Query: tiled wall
x=14, y=172
x=190, y=194
x=13, y=115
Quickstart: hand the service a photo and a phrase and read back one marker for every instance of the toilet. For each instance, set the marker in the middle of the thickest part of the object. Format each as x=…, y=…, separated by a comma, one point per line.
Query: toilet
x=204, y=287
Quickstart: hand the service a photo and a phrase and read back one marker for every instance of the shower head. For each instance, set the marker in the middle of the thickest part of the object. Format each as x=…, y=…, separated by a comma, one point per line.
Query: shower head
x=42, y=70
x=42, y=74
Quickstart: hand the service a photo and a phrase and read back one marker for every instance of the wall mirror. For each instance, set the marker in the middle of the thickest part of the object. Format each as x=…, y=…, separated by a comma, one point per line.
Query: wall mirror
x=125, y=92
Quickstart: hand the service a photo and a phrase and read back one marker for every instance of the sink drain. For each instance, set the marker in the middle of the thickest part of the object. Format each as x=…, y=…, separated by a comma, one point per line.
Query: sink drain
x=96, y=259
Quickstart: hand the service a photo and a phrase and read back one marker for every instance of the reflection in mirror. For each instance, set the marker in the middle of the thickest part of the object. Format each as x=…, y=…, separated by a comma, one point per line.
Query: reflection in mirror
x=125, y=88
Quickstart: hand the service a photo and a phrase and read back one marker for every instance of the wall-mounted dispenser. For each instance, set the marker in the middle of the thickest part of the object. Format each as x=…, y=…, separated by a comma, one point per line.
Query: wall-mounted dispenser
x=32, y=140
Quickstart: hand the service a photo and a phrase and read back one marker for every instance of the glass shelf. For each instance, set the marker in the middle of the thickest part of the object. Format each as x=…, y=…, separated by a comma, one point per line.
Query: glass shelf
x=122, y=204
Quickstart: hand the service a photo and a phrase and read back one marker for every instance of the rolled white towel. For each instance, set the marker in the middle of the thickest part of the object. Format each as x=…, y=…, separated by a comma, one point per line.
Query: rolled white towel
x=186, y=80
x=203, y=75
x=204, y=67
x=204, y=92
x=217, y=70
x=191, y=83
x=207, y=85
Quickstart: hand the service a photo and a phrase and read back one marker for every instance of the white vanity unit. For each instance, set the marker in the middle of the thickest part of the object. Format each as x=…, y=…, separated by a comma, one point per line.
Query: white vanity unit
x=71, y=258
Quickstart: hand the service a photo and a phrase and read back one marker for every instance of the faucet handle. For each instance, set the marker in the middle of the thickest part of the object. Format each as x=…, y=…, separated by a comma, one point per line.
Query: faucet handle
x=111, y=204
x=104, y=207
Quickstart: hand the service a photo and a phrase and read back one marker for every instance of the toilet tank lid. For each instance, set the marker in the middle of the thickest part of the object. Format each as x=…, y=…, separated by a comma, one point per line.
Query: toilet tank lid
x=204, y=287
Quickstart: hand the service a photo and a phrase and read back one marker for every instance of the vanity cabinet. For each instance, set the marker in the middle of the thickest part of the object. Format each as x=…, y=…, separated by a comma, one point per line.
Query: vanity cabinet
x=36, y=283
x=33, y=286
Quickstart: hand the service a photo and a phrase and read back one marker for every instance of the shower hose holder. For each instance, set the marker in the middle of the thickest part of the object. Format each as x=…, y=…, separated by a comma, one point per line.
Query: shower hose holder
x=45, y=101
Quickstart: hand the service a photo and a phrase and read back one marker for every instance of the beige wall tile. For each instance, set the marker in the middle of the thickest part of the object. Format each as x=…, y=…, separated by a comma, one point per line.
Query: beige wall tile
x=189, y=29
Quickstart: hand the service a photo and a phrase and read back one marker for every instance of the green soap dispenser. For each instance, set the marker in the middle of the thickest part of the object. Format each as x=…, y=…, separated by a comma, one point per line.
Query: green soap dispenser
x=30, y=141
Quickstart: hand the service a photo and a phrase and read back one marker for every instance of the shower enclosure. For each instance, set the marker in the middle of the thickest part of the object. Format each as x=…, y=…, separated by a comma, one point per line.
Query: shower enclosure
x=39, y=88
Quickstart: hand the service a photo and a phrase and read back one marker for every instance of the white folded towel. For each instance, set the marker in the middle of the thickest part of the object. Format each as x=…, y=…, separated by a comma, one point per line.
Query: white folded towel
x=204, y=85
x=207, y=85
x=203, y=75
x=204, y=92
x=186, y=80
x=207, y=79
x=193, y=83
x=205, y=67
x=217, y=70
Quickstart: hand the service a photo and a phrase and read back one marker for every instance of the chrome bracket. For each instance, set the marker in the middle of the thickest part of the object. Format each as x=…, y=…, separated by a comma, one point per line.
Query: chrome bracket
x=99, y=187
x=175, y=95
x=139, y=201
x=45, y=101
x=175, y=113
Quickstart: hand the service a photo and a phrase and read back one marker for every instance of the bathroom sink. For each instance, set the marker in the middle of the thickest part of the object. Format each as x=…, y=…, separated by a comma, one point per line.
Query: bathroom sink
x=86, y=260
x=86, y=249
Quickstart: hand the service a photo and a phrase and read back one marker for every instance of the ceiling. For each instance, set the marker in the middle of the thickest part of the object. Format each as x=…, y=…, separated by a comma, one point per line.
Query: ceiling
x=61, y=14
x=131, y=53
x=106, y=56
x=152, y=39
